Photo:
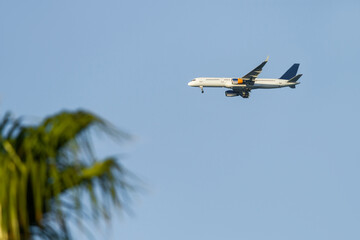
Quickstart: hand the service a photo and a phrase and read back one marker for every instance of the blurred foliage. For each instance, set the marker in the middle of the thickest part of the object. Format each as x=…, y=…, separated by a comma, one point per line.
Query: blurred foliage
x=48, y=171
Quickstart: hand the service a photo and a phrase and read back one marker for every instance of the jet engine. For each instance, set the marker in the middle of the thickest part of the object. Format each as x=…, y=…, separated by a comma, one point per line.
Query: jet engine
x=231, y=93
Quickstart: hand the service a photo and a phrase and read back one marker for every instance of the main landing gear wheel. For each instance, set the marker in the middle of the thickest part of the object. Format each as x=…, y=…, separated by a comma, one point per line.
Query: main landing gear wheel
x=245, y=94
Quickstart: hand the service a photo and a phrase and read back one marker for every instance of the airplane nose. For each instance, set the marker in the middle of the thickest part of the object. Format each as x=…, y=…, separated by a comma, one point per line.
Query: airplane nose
x=190, y=84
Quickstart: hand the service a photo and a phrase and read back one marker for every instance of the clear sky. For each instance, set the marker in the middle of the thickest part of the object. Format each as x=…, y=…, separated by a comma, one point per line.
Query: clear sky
x=283, y=164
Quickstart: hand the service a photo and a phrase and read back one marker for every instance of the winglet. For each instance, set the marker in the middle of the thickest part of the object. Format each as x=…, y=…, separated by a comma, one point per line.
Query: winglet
x=267, y=59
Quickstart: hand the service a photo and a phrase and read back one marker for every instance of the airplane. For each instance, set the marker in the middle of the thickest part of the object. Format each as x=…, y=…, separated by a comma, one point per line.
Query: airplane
x=243, y=86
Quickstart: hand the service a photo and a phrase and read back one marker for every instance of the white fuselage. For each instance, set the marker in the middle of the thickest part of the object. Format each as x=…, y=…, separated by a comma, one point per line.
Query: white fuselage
x=230, y=83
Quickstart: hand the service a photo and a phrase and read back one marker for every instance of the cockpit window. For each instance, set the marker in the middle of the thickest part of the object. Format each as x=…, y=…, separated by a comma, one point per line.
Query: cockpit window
x=193, y=80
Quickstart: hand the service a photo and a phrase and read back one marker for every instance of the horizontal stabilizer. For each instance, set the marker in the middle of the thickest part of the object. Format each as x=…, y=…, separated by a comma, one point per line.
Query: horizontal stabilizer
x=294, y=79
x=291, y=72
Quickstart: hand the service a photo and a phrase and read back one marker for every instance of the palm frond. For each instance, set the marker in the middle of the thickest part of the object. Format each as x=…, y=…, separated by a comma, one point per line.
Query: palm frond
x=40, y=166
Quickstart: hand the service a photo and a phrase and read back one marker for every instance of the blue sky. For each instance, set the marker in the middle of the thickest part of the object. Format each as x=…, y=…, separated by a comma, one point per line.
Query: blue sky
x=282, y=164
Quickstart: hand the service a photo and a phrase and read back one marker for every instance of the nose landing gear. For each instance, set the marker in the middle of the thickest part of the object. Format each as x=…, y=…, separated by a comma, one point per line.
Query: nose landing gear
x=202, y=89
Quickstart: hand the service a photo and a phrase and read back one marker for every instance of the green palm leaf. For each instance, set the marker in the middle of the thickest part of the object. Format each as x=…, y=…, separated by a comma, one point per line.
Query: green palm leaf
x=48, y=169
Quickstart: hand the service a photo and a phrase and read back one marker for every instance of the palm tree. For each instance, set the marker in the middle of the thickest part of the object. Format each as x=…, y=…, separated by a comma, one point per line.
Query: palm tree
x=47, y=171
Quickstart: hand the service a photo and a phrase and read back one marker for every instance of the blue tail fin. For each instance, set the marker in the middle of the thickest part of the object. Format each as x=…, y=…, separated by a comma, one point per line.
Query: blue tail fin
x=291, y=72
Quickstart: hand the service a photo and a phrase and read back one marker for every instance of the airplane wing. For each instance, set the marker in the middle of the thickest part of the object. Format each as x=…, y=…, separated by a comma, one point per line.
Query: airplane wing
x=254, y=73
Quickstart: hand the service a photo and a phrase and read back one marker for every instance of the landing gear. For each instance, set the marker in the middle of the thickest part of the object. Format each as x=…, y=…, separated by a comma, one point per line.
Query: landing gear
x=202, y=89
x=245, y=94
